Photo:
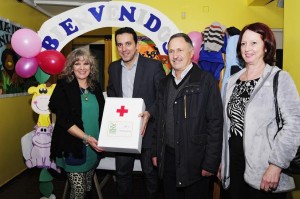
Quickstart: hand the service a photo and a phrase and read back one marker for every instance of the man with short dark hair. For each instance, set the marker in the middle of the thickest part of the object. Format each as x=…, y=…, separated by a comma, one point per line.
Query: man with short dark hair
x=135, y=76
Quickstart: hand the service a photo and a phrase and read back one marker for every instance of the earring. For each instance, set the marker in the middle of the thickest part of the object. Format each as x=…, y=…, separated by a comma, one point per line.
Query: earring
x=265, y=50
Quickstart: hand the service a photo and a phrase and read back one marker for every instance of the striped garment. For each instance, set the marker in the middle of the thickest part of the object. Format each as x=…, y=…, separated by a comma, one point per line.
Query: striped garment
x=213, y=37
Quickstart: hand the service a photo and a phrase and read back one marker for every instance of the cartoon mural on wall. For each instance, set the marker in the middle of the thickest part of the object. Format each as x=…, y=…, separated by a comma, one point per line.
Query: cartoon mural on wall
x=36, y=144
x=10, y=81
x=147, y=48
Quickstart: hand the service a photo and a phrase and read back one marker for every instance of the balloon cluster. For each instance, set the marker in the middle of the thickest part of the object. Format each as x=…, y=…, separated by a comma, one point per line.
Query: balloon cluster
x=196, y=38
x=28, y=45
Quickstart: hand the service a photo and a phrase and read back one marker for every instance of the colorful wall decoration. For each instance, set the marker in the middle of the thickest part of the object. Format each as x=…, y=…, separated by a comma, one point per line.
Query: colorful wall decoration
x=147, y=48
x=10, y=81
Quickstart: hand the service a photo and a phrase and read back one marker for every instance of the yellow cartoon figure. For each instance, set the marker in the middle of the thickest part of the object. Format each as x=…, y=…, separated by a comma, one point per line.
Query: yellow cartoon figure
x=36, y=144
x=40, y=101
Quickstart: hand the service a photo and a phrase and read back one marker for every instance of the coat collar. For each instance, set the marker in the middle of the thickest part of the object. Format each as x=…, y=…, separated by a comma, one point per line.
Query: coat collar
x=232, y=80
x=195, y=74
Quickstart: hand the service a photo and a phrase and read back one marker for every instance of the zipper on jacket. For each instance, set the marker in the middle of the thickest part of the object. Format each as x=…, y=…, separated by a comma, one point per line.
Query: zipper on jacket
x=162, y=153
x=184, y=106
x=184, y=97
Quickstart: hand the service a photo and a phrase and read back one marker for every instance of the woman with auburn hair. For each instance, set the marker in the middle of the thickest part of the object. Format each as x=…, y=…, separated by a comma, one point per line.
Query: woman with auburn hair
x=255, y=151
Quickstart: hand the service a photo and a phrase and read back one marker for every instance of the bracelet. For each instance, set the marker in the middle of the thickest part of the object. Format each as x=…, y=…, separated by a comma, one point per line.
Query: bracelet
x=85, y=139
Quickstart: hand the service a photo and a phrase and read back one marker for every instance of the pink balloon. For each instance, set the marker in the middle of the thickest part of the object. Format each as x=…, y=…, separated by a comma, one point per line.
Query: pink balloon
x=26, y=43
x=196, y=38
x=26, y=67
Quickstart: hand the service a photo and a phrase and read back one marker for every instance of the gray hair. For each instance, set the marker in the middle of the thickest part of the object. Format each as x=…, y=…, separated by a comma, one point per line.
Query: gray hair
x=186, y=38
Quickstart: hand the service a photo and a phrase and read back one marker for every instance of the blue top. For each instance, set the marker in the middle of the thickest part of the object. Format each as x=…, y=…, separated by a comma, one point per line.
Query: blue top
x=231, y=58
x=212, y=56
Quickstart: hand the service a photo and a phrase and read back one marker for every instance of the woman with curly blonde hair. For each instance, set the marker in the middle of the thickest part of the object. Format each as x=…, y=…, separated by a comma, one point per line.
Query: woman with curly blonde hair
x=78, y=103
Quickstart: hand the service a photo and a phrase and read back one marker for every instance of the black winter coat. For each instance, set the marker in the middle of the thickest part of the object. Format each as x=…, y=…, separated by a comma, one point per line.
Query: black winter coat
x=198, y=121
x=65, y=102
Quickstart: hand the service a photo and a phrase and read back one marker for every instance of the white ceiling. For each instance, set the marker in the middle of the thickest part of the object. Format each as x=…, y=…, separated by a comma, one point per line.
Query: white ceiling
x=55, y=7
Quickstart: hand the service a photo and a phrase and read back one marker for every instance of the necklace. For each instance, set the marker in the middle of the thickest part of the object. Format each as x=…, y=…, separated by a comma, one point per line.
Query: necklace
x=85, y=93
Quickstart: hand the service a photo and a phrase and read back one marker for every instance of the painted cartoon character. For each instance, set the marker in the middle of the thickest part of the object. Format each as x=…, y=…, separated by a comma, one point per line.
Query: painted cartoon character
x=10, y=81
x=40, y=144
x=41, y=139
x=148, y=49
x=40, y=101
x=40, y=152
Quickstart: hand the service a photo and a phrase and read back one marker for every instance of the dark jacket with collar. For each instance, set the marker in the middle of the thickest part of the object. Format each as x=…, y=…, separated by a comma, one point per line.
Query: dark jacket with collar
x=198, y=121
x=148, y=74
x=65, y=102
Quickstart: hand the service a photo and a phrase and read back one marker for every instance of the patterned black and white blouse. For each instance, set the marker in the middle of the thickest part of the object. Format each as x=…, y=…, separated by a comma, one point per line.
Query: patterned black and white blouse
x=237, y=103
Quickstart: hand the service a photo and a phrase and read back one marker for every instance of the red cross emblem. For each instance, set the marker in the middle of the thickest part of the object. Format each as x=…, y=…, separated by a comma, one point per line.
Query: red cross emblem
x=122, y=110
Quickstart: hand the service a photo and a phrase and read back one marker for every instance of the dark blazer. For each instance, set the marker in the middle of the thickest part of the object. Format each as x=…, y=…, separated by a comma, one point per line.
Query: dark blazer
x=148, y=74
x=198, y=126
x=65, y=102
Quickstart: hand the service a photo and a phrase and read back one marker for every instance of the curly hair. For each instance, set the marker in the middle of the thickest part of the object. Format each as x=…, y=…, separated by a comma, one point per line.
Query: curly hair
x=74, y=56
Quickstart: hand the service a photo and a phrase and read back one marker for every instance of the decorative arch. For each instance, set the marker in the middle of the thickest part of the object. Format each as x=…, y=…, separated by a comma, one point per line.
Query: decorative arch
x=56, y=32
